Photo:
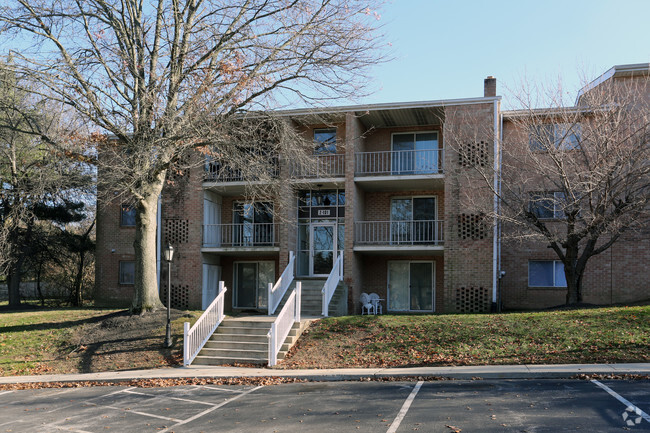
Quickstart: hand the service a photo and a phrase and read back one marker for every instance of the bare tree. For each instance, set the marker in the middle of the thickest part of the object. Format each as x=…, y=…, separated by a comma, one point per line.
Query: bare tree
x=573, y=178
x=38, y=184
x=167, y=76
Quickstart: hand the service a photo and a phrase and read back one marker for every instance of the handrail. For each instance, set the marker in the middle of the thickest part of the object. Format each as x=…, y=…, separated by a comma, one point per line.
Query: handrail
x=327, y=165
x=280, y=329
x=331, y=283
x=194, y=338
x=276, y=292
x=240, y=235
x=399, y=162
x=413, y=232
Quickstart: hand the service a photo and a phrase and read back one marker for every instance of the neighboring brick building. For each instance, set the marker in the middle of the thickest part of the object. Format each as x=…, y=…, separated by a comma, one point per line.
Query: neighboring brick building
x=388, y=195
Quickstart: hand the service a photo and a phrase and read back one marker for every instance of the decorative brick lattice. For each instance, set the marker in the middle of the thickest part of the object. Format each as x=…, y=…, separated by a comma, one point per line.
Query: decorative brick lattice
x=177, y=231
x=180, y=296
x=471, y=226
x=474, y=155
x=473, y=300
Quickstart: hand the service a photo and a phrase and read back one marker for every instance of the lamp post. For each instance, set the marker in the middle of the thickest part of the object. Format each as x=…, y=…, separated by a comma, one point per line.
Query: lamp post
x=169, y=255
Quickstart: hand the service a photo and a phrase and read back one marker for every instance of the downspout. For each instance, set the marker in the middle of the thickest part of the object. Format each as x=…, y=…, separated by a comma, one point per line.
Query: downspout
x=158, y=238
x=501, y=271
x=495, y=205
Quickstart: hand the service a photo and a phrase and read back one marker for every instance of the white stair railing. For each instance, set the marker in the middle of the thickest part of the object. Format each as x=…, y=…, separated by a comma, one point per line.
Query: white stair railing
x=194, y=338
x=289, y=315
x=276, y=291
x=331, y=283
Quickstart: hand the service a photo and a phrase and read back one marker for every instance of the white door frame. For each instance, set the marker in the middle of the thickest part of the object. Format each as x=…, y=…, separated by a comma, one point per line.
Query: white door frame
x=312, y=226
x=433, y=283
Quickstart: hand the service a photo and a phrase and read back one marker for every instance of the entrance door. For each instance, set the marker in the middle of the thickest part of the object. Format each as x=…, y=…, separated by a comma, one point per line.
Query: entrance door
x=322, y=248
x=410, y=286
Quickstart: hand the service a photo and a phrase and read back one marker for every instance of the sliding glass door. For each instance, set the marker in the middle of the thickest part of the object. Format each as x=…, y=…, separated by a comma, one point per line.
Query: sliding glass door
x=410, y=286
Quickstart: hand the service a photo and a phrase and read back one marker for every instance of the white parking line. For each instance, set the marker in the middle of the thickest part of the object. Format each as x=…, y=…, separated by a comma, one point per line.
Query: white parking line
x=405, y=408
x=169, y=398
x=627, y=404
x=137, y=412
x=214, y=388
x=5, y=392
x=207, y=411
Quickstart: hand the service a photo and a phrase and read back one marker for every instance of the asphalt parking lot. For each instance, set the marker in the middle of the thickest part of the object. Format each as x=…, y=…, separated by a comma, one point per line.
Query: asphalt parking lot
x=443, y=406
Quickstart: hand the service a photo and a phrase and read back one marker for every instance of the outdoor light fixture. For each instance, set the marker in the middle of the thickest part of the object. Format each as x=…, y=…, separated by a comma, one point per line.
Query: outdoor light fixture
x=169, y=255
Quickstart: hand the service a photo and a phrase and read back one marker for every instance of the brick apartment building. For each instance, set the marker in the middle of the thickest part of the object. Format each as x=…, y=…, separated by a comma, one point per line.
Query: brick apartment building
x=389, y=196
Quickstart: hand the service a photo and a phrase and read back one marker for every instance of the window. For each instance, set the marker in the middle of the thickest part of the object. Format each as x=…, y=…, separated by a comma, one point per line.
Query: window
x=127, y=272
x=324, y=141
x=253, y=224
x=127, y=216
x=548, y=205
x=413, y=220
x=562, y=136
x=415, y=153
x=546, y=273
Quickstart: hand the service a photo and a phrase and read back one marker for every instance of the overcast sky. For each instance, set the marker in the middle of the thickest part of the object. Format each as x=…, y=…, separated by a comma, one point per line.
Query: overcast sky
x=443, y=49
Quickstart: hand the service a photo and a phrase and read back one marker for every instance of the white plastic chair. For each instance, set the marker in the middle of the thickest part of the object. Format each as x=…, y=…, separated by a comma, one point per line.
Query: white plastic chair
x=375, y=300
x=366, y=304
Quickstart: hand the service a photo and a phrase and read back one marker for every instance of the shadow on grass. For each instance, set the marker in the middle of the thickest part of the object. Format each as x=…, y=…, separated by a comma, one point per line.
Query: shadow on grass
x=59, y=325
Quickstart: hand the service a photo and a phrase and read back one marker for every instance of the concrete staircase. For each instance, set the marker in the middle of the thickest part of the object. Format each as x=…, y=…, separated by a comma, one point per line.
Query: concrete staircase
x=244, y=340
x=312, y=298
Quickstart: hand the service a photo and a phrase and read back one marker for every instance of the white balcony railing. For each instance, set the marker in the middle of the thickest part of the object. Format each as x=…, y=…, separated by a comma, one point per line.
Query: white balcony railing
x=289, y=315
x=418, y=232
x=240, y=235
x=276, y=291
x=194, y=338
x=215, y=171
x=323, y=166
x=400, y=162
x=331, y=283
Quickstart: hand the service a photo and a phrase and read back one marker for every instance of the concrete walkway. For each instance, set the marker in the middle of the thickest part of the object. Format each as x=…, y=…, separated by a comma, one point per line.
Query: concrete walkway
x=561, y=371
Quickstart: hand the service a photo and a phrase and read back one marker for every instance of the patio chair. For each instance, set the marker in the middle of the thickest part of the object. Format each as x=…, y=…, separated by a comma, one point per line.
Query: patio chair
x=375, y=300
x=366, y=304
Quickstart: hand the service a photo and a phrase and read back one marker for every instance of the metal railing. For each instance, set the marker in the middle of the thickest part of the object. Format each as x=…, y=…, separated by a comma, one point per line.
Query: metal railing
x=240, y=235
x=194, y=338
x=323, y=166
x=280, y=329
x=418, y=232
x=215, y=171
x=277, y=291
x=399, y=162
x=331, y=283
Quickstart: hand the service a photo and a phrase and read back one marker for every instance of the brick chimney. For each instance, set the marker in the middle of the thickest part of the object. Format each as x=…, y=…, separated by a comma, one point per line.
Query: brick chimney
x=490, y=86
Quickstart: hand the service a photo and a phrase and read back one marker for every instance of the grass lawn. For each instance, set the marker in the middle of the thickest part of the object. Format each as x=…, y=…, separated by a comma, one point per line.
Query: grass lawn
x=602, y=335
x=68, y=340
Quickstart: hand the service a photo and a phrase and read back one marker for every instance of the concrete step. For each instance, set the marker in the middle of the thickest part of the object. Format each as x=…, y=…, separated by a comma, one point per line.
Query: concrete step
x=235, y=353
x=241, y=330
x=218, y=336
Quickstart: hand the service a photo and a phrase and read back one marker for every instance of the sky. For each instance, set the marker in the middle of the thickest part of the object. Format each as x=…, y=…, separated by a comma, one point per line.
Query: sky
x=443, y=49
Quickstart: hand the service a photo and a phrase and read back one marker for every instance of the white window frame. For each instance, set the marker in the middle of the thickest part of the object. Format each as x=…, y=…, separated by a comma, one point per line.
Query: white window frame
x=317, y=144
x=554, y=265
x=433, y=287
x=119, y=277
x=558, y=132
x=557, y=196
x=257, y=278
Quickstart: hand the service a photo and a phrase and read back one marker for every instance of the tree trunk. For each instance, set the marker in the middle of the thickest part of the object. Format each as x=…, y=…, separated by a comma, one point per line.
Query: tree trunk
x=78, y=280
x=13, y=282
x=573, y=283
x=146, y=296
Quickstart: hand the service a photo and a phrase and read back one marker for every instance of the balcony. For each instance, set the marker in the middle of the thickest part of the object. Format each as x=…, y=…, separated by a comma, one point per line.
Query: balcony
x=324, y=166
x=386, y=170
x=399, y=236
x=241, y=237
x=228, y=181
